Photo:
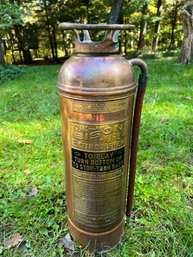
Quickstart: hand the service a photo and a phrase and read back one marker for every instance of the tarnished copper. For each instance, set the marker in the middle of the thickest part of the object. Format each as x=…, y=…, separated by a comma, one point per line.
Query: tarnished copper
x=108, y=45
x=96, y=88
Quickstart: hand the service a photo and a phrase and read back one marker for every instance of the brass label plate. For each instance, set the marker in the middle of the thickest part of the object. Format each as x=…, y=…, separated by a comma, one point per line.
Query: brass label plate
x=98, y=171
x=97, y=161
x=99, y=107
x=98, y=137
x=98, y=197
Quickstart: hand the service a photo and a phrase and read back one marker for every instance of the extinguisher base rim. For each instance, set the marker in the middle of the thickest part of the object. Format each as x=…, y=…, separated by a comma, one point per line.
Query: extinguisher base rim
x=102, y=241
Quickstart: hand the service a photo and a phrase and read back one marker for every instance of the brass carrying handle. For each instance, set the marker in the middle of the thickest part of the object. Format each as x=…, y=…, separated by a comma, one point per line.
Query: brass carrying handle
x=112, y=30
x=135, y=130
x=69, y=25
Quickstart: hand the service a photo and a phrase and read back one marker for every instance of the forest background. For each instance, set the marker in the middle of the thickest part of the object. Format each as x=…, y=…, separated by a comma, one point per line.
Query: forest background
x=29, y=30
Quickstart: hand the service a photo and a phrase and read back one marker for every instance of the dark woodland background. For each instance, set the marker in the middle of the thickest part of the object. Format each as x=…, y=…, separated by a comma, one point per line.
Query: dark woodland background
x=29, y=30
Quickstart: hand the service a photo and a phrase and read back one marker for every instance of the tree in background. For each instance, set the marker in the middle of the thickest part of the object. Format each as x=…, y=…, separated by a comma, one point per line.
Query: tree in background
x=10, y=16
x=157, y=25
x=115, y=12
x=143, y=25
x=187, y=21
x=174, y=19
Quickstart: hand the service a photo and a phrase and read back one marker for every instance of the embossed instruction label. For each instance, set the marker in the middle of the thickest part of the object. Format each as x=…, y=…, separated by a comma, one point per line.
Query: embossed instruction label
x=98, y=197
x=98, y=165
x=98, y=161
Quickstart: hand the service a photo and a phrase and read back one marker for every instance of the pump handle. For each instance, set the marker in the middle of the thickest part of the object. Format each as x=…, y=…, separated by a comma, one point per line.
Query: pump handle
x=135, y=130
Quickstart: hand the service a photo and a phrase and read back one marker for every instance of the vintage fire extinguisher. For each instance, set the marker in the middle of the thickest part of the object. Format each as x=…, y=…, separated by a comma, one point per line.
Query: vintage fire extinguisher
x=100, y=135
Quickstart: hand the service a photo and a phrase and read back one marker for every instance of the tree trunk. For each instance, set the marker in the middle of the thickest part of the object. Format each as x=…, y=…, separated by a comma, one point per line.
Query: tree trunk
x=187, y=45
x=157, y=26
x=51, y=41
x=20, y=56
x=173, y=24
x=87, y=11
x=125, y=43
x=12, y=45
x=22, y=46
x=191, y=47
x=2, y=59
x=143, y=27
x=65, y=49
x=21, y=41
x=13, y=57
x=27, y=56
x=115, y=12
x=49, y=31
x=54, y=41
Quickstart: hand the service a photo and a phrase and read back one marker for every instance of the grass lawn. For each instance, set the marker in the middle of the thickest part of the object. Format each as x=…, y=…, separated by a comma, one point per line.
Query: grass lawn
x=32, y=194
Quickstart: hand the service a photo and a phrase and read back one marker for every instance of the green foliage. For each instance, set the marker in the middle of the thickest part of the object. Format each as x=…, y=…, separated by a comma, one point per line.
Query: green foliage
x=10, y=72
x=150, y=56
x=170, y=53
x=10, y=15
x=161, y=220
x=43, y=17
x=158, y=55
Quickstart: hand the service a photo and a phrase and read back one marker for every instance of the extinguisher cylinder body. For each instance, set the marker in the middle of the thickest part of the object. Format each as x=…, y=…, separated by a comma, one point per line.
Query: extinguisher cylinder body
x=96, y=89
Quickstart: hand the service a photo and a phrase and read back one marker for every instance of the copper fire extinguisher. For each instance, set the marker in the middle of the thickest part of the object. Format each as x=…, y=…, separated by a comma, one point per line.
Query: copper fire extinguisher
x=97, y=88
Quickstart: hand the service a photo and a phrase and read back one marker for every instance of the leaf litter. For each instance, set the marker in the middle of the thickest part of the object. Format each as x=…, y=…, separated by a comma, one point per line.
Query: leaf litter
x=67, y=242
x=14, y=241
x=33, y=191
x=27, y=172
x=24, y=141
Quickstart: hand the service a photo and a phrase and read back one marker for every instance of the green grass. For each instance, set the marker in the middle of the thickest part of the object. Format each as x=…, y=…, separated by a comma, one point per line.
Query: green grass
x=161, y=224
